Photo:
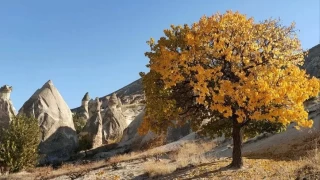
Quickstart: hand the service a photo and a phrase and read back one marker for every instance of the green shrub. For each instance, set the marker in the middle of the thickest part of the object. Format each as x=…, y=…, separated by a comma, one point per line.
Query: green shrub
x=84, y=143
x=79, y=123
x=19, y=144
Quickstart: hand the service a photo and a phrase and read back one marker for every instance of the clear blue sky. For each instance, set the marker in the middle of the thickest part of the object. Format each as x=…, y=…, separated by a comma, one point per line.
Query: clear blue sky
x=98, y=46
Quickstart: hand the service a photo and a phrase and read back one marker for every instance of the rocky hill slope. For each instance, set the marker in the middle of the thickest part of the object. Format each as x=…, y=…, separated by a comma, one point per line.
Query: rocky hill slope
x=312, y=61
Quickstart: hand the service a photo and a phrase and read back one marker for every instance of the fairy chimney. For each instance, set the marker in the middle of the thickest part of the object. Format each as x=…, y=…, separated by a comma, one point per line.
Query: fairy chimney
x=5, y=92
x=85, y=101
x=7, y=111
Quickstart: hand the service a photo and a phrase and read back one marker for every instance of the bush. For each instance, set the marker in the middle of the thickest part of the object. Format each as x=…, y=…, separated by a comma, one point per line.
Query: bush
x=19, y=144
x=84, y=143
x=79, y=123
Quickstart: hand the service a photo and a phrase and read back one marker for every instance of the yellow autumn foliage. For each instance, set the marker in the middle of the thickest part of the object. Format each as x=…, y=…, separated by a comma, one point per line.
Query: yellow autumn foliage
x=238, y=67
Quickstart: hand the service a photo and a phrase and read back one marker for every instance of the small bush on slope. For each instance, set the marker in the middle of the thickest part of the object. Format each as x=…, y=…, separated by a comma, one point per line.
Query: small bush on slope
x=79, y=123
x=19, y=144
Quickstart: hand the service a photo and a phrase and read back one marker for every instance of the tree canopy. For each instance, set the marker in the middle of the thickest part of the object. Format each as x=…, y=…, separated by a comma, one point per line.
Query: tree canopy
x=231, y=69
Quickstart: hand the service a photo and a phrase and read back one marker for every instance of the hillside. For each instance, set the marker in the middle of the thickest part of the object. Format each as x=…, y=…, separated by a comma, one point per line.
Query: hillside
x=292, y=154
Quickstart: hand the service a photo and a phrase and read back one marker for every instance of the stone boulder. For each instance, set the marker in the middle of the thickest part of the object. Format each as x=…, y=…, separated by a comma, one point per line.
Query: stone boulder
x=92, y=131
x=114, y=121
x=7, y=111
x=58, y=136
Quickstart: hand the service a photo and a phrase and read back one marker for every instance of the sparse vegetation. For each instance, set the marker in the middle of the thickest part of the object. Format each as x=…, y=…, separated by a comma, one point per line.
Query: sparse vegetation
x=193, y=154
x=79, y=123
x=159, y=168
x=188, y=162
x=84, y=143
x=19, y=144
x=189, y=154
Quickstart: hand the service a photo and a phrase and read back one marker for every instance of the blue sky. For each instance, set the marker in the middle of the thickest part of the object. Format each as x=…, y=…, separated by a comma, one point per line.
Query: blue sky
x=98, y=46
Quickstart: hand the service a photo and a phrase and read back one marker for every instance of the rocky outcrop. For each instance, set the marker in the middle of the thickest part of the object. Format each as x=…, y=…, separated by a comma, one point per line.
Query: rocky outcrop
x=7, y=111
x=93, y=129
x=312, y=61
x=58, y=136
x=130, y=99
x=83, y=111
x=114, y=121
x=129, y=94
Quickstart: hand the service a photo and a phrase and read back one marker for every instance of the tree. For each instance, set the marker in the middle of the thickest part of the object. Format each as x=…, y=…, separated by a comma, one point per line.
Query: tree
x=232, y=70
x=166, y=105
x=19, y=143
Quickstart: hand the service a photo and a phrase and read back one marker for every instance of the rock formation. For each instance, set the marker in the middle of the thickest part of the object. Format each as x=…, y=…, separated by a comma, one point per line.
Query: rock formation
x=58, y=139
x=97, y=140
x=7, y=110
x=130, y=99
x=114, y=121
x=93, y=129
x=312, y=61
x=83, y=110
x=85, y=101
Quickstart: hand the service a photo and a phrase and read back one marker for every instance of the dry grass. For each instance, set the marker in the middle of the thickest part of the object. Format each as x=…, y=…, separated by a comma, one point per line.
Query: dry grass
x=189, y=162
x=190, y=154
x=301, y=162
x=124, y=157
x=149, y=149
x=159, y=168
x=193, y=154
x=310, y=164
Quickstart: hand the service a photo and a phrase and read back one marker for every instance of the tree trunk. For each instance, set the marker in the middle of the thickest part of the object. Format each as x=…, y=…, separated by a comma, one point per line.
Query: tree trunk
x=237, y=161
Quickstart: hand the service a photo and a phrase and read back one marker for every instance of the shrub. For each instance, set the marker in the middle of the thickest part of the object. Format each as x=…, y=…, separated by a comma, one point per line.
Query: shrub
x=19, y=144
x=79, y=123
x=84, y=143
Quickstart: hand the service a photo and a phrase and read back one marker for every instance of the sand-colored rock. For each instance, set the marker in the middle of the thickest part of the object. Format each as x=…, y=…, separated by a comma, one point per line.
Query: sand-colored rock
x=58, y=136
x=7, y=111
x=114, y=121
x=93, y=129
